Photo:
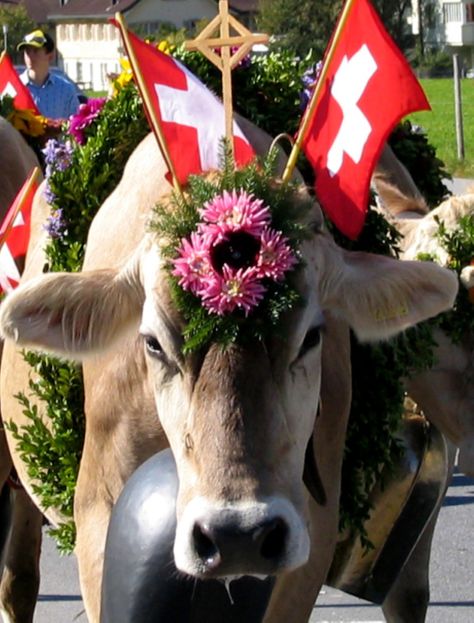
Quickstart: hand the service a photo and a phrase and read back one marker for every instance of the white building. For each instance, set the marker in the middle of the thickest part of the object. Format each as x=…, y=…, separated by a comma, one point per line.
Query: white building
x=447, y=25
x=89, y=47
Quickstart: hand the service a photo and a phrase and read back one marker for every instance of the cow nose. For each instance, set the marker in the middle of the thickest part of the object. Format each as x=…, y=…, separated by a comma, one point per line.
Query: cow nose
x=228, y=546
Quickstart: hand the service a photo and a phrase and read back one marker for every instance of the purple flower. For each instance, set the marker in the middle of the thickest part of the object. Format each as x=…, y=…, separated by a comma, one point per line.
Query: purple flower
x=48, y=194
x=86, y=114
x=309, y=79
x=55, y=224
x=57, y=155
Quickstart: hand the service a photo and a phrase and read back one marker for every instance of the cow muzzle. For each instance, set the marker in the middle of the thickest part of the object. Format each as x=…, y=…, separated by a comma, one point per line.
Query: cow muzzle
x=259, y=539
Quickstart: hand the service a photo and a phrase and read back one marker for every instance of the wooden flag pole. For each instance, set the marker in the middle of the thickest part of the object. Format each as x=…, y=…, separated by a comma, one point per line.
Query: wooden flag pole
x=308, y=115
x=155, y=123
x=21, y=200
x=233, y=48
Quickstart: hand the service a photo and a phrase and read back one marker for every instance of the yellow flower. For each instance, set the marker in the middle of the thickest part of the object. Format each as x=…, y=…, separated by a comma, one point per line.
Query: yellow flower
x=165, y=46
x=26, y=122
x=125, y=76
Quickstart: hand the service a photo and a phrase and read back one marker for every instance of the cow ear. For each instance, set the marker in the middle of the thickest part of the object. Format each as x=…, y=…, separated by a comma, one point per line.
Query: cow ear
x=72, y=314
x=381, y=296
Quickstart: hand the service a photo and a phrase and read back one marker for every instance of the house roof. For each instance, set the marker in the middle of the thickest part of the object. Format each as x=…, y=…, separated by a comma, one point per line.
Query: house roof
x=90, y=8
x=106, y=8
x=41, y=11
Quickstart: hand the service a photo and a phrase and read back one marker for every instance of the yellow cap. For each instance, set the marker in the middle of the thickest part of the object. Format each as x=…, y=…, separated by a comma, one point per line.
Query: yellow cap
x=37, y=39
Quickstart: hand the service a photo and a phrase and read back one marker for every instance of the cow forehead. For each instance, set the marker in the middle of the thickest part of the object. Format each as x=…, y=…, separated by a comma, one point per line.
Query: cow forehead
x=160, y=312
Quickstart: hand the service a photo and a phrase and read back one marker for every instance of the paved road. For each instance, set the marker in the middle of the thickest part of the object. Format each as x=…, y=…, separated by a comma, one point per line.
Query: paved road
x=452, y=571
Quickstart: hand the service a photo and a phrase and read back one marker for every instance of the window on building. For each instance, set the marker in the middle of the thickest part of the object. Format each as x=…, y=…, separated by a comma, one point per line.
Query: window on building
x=470, y=12
x=79, y=74
x=452, y=12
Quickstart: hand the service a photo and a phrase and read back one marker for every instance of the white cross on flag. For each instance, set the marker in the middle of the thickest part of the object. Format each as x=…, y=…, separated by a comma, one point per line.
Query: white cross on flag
x=368, y=87
x=15, y=233
x=10, y=84
x=191, y=117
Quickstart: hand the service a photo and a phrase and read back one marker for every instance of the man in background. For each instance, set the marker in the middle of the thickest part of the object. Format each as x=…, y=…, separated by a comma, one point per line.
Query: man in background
x=55, y=97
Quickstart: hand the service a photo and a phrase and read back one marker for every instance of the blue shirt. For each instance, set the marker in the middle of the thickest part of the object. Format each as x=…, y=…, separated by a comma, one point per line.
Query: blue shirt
x=56, y=98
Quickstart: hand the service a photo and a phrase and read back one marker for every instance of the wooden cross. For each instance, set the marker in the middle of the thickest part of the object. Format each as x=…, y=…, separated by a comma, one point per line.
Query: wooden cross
x=206, y=43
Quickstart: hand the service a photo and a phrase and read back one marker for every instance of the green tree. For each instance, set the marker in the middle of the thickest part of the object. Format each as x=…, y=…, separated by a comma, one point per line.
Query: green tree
x=299, y=25
x=18, y=23
x=304, y=25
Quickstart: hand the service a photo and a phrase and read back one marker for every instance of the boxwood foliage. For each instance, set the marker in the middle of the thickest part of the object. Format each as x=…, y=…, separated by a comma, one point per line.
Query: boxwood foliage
x=267, y=90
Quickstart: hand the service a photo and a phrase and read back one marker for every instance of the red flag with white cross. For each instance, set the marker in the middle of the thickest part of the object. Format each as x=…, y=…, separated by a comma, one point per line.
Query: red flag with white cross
x=10, y=84
x=367, y=87
x=15, y=232
x=191, y=117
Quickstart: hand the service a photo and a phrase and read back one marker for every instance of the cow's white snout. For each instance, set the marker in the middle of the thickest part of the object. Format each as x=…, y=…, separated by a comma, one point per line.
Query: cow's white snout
x=258, y=539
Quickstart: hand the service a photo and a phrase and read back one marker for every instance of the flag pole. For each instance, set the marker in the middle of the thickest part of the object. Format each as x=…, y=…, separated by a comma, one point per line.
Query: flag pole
x=307, y=117
x=21, y=200
x=156, y=127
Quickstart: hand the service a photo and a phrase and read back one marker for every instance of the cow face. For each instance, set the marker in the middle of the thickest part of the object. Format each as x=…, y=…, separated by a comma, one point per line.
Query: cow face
x=238, y=418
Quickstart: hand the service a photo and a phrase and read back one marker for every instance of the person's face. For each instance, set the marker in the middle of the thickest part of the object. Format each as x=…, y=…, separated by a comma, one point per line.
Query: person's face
x=37, y=59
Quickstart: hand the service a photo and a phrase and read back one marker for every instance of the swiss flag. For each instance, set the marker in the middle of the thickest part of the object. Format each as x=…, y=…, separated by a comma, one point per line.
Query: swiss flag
x=15, y=233
x=10, y=84
x=191, y=117
x=367, y=88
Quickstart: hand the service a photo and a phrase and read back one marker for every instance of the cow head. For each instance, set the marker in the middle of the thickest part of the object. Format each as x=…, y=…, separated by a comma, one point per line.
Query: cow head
x=239, y=417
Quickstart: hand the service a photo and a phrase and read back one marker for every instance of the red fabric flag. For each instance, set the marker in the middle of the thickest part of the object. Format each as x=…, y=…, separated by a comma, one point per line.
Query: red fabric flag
x=191, y=117
x=15, y=233
x=368, y=88
x=10, y=84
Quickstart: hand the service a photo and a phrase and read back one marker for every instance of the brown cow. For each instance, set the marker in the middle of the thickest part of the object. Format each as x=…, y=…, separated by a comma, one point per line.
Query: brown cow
x=451, y=406
x=20, y=579
x=238, y=420
x=444, y=393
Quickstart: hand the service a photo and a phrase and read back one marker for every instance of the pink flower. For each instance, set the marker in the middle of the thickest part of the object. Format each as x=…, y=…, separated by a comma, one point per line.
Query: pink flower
x=84, y=117
x=241, y=288
x=234, y=212
x=226, y=261
x=193, y=264
x=275, y=256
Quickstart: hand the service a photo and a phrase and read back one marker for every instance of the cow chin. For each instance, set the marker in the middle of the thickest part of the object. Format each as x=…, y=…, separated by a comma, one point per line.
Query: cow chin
x=254, y=538
x=466, y=457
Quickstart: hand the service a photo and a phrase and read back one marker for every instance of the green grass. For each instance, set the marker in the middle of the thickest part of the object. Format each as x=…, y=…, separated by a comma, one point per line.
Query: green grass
x=439, y=123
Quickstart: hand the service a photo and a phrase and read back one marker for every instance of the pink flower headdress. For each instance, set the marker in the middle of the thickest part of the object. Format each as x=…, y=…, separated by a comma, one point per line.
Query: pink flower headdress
x=229, y=260
x=231, y=246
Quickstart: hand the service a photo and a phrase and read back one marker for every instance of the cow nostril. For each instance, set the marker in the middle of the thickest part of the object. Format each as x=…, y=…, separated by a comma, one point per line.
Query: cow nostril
x=273, y=539
x=205, y=546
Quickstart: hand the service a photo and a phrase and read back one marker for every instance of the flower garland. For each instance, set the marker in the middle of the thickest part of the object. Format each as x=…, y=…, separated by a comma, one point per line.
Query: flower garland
x=458, y=245
x=82, y=167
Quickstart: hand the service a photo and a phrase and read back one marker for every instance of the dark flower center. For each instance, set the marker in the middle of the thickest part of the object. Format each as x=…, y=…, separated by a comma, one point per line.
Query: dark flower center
x=238, y=250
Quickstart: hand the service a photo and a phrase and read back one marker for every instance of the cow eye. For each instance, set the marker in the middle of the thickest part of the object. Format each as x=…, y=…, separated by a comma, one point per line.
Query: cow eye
x=153, y=346
x=311, y=340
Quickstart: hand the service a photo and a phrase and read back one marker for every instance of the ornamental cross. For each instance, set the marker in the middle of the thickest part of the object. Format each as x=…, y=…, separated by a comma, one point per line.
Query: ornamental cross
x=233, y=48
